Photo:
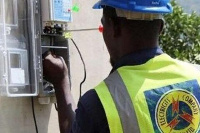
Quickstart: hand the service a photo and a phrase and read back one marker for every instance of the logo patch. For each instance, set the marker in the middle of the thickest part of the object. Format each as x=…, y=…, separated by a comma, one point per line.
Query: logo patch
x=175, y=108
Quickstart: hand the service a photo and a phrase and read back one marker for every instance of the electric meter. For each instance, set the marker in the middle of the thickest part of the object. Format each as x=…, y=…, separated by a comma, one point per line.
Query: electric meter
x=55, y=15
x=56, y=10
x=18, y=55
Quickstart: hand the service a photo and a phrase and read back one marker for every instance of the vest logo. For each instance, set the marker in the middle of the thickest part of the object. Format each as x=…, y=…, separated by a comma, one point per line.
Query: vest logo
x=178, y=112
x=175, y=108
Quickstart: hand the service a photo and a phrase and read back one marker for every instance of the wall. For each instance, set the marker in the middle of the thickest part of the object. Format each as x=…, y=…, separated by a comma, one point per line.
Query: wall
x=16, y=114
x=92, y=47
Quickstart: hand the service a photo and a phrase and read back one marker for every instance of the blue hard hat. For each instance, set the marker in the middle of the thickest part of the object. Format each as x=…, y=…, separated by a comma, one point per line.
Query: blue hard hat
x=144, y=6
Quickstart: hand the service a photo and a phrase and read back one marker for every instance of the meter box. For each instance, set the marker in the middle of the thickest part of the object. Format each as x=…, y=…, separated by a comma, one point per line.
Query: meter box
x=18, y=55
x=56, y=10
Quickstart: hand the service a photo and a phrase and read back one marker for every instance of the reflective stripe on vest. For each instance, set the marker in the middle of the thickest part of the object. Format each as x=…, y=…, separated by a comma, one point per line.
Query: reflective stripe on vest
x=124, y=94
x=112, y=115
x=118, y=105
x=123, y=103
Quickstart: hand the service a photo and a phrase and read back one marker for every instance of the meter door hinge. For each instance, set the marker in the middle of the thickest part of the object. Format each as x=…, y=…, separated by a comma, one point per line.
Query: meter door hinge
x=36, y=7
x=39, y=67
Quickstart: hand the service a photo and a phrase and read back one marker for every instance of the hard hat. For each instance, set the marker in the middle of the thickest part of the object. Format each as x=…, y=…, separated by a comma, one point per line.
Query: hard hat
x=142, y=6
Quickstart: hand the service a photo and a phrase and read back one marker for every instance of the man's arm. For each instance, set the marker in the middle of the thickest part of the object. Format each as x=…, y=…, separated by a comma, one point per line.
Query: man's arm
x=56, y=72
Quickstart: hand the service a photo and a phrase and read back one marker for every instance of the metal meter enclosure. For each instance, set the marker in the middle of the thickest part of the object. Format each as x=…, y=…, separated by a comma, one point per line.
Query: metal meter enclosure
x=55, y=15
x=57, y=10
x=23, y=41
x=18, y=55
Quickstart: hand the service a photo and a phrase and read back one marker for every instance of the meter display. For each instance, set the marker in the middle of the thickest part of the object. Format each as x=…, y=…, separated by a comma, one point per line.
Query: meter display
x=62, y=10
x=59, y=10
x=18, y=75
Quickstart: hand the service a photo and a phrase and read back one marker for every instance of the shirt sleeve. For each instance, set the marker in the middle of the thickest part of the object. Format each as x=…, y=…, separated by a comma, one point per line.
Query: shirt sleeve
x=90, y=115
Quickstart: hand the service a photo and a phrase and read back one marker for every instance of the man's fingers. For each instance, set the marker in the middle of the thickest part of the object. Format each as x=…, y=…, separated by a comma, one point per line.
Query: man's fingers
x=45, y=54
x=62, y=60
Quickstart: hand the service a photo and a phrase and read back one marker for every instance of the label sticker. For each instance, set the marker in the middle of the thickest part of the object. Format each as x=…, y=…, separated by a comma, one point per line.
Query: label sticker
x=17, y=76
x=62, y=10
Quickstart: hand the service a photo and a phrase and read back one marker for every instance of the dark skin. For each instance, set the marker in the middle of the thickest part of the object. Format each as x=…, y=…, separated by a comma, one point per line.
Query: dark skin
x=124, y=36
x=121, y=37
x=56, y=71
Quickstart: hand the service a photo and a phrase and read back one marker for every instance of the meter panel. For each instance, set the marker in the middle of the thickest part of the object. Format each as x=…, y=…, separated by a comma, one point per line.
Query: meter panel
x=62, y=10
x=18, y=75
x=56, y=10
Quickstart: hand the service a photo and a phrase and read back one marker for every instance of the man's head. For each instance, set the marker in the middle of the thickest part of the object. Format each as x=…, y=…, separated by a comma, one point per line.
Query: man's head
x=127, y=31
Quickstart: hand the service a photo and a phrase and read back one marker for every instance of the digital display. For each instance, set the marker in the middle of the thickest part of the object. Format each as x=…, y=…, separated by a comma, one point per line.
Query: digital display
x=15, y=60
x=62, y=10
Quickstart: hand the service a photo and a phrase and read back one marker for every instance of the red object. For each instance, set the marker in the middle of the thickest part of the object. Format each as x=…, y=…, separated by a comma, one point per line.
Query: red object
x=100, y=28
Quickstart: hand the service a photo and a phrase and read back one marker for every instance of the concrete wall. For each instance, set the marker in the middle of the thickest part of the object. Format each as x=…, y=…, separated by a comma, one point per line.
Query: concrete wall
x=16, y=114
x=92, y=47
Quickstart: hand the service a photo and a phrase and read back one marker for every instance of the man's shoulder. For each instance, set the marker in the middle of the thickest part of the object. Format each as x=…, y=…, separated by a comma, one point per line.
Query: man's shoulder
x=90, y=115
x=89, y=98
x=91, y=103
x=189, y=65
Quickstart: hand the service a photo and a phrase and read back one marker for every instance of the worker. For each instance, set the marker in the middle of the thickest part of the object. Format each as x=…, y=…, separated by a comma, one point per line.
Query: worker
x=147, y=91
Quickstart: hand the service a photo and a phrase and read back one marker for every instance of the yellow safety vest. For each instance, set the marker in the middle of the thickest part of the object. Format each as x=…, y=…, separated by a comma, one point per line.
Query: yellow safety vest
x=161, y=95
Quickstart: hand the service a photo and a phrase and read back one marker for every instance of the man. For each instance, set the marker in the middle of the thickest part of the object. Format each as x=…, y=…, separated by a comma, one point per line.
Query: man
x=146, y=91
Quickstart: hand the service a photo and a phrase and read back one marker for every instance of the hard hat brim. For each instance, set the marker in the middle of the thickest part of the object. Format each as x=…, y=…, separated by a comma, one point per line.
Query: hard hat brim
x=161, y=10
x=98, y=5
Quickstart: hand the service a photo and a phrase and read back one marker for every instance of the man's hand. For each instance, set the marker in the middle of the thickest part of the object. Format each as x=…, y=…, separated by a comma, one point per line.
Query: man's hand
x=54, y=68
x=56, y=71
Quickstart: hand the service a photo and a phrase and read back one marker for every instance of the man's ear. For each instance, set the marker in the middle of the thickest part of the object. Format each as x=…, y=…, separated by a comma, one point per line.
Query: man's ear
x=162, y=26
x=116, y=28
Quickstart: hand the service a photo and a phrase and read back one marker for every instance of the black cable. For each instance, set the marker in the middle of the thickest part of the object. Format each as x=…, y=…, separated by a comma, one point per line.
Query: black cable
x=33, y=111
x=56, y=107
x=83, y=67
x=29, y=42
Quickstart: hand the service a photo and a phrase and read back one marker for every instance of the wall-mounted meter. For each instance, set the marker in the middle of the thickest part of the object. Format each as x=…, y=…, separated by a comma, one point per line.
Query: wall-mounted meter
x=18, y=55
x=55, y=15
x=24, y=37
x=57, y=10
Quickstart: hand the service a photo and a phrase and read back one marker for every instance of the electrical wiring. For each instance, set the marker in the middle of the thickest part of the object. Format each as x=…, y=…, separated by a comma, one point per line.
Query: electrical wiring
x=28, y=38
x=84, y=67
x=56, y=107
x=33, y=111
x=85, y=73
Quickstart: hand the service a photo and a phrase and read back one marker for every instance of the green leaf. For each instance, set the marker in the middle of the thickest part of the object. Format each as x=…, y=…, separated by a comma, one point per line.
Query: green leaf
x=181, y=36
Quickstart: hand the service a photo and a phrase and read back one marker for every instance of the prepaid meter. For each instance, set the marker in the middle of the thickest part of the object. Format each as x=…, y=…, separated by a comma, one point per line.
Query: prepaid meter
x=55, y=15
x=18, y=76
x=56, y=10
x=23, y=40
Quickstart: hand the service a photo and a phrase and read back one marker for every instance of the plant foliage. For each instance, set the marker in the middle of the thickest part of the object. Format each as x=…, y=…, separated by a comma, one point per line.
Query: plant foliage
x=181, y=36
